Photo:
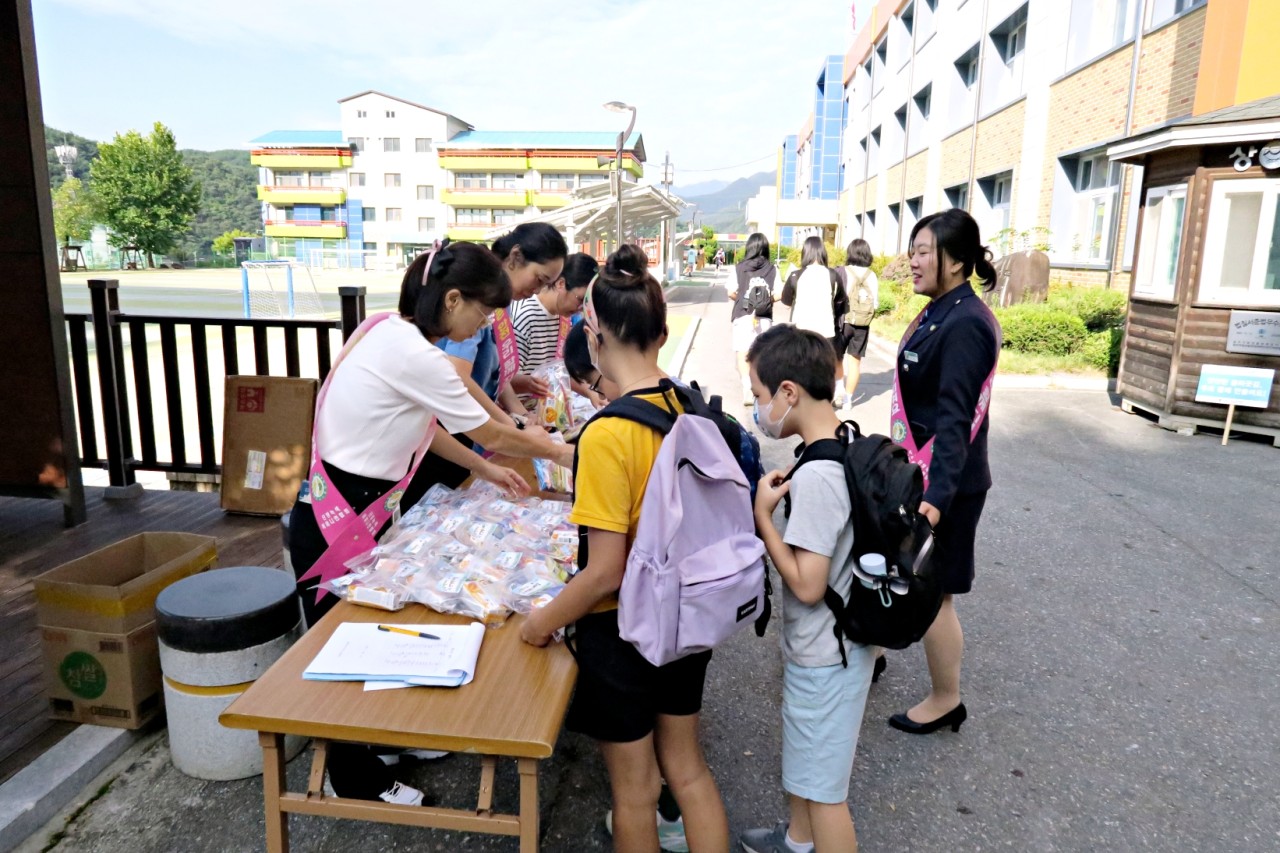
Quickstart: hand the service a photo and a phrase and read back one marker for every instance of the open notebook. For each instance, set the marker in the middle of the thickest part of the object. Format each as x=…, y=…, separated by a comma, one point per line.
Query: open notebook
x=358, y=651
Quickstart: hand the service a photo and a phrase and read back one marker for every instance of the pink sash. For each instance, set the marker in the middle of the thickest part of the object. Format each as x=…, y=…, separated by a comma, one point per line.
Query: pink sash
x=900, y=427
x=565, y=325
x=350, y=535
x=504, y=333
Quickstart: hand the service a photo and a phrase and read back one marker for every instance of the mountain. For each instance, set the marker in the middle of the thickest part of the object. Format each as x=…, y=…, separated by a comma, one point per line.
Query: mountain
x=725, y=209
x=699, y=189
x=229, y=197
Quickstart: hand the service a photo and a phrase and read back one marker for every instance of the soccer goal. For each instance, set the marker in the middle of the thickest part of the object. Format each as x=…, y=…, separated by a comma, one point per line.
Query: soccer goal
x=279, y=289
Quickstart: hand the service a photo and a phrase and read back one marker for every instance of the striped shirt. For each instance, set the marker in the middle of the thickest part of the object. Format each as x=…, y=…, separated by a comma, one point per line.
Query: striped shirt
x=537, y=333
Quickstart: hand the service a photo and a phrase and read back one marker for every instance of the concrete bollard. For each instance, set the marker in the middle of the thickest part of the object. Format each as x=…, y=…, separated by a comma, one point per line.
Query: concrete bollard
x=284, y=537
x=219, y=631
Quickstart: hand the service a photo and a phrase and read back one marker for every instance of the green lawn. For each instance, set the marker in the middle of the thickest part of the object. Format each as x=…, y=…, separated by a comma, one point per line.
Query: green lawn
x=1011, y=362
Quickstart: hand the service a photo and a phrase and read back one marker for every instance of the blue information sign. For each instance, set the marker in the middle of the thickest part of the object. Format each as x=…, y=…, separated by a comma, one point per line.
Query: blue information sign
x=1243, y=386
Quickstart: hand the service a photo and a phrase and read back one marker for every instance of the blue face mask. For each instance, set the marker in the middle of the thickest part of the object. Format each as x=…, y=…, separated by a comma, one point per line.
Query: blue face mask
x=768, y=426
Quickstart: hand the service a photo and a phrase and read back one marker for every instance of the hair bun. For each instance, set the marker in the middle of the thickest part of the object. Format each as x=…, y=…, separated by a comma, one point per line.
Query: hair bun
x=629, y=260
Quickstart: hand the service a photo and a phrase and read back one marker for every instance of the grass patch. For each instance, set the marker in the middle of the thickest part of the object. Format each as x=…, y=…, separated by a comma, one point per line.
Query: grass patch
x=1011, y=362
x=57, y=837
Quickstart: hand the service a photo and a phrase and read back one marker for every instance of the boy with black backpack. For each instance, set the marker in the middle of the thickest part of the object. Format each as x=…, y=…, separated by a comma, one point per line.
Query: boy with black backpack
x=792, y=378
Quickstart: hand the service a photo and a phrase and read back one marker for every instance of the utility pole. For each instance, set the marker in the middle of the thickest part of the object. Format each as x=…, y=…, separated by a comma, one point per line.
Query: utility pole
x=668, y=227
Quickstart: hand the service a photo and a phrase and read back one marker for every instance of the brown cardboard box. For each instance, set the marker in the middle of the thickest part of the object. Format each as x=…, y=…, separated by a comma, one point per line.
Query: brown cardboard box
x=266, y=442
x=104, y=679
x=114, y=589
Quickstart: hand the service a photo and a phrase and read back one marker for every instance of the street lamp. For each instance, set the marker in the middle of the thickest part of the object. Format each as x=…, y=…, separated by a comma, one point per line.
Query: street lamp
x=620, y=107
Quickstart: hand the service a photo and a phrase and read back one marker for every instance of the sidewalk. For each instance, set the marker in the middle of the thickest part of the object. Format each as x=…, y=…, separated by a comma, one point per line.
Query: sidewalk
x=1123, y=647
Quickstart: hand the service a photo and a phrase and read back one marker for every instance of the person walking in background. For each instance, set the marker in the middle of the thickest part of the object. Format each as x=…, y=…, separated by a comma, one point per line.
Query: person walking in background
x=942, y=386
x=691, y=258
x=863, y=289
x=817, y=298
x=719, y=259
x=754, y=282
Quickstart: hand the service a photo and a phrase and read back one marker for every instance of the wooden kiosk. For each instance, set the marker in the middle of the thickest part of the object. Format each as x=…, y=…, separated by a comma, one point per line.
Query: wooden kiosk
x=1206, y=281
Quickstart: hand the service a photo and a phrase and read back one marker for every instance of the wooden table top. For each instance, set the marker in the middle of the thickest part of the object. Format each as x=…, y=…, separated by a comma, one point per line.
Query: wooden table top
x=515, y=706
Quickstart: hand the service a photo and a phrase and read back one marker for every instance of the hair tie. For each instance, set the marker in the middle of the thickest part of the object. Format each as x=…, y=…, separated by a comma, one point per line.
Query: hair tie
x=431, y=256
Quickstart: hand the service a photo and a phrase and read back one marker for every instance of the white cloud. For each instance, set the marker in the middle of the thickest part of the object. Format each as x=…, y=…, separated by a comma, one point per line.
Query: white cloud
x=716, y=82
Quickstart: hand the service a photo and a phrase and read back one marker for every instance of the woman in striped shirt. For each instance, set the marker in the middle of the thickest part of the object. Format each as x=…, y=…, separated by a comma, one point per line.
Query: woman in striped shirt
x=542, y=321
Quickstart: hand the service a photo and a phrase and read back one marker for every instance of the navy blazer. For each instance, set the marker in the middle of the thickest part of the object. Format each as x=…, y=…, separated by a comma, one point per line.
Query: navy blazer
x=953, y=352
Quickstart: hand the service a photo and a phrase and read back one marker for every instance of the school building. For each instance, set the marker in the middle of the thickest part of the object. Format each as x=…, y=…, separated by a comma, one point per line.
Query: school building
x=1006, y=108
x=398, y=175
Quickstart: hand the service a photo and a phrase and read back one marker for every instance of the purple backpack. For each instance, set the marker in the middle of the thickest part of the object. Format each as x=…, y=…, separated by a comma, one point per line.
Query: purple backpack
x=695, y=574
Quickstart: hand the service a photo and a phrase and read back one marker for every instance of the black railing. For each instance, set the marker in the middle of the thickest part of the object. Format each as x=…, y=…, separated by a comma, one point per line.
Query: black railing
x=118, y=453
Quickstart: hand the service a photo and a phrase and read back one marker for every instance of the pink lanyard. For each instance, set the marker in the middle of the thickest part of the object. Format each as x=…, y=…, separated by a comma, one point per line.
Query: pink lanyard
x=348, y=534
x=900, y=427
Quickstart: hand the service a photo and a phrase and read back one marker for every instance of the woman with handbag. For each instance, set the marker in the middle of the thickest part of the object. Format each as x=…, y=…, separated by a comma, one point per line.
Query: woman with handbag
x=863, y=289
x=755, y=279
x=945, y=368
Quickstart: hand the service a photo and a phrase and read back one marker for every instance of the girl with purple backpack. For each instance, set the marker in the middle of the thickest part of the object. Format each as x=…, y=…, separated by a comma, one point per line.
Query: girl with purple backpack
x=644, y=717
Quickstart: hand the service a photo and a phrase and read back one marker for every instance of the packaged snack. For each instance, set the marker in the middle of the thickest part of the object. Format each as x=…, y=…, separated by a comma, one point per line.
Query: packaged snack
x=555, y=410
x=375, y=589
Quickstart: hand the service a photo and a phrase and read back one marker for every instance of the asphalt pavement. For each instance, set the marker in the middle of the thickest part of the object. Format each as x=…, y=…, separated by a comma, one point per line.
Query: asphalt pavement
x=1122, y=656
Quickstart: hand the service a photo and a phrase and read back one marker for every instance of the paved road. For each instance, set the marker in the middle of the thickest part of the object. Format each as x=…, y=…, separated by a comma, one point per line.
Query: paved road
x=1123, y=651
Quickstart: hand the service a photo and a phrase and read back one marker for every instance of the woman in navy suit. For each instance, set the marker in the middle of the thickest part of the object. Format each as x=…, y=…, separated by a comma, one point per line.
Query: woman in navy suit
x=946, y=363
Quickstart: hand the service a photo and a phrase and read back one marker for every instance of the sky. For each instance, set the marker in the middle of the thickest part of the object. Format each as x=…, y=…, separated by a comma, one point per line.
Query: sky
x=718, y=83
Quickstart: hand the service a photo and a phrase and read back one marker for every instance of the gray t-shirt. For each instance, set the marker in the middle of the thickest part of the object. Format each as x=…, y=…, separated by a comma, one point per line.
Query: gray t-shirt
x=819, y=523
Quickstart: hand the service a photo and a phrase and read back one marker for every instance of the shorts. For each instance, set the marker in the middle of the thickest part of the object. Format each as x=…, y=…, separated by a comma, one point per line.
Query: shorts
x=953, y=543
x=855, y=340
x=746, y=329
x=620, y=694
x=821, y=714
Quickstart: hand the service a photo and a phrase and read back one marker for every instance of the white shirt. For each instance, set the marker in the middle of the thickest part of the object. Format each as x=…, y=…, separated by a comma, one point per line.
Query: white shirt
x=537, y=333
x=812, y=310
x=381, y=399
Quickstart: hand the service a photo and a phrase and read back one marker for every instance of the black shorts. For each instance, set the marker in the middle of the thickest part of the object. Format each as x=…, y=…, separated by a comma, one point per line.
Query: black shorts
x=855, y=340
x=954, y=542
x=620, y=694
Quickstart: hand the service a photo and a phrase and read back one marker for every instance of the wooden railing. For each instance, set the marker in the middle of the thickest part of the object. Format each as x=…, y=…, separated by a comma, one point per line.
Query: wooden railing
x=118, y=415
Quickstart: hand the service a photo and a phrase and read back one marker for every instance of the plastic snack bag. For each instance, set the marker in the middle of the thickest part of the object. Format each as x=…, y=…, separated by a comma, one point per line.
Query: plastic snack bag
x=553, y=477
x=376, y=589
x=555, y=411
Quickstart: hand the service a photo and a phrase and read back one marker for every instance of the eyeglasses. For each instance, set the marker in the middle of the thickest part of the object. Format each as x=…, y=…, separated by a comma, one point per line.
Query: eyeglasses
x=486, y=320
x=594, y=387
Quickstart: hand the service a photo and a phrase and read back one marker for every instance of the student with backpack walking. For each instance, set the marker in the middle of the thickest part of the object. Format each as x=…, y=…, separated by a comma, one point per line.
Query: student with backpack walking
x=863, y=290
x=824, y=686
x=644, y=716
x=756, y=281
x=817, y=298
x=945, y=368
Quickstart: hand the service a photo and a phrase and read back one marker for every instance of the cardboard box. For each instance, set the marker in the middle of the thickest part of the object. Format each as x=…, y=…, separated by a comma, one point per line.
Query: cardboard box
x=104, y=679
x=266, y=442
x=114, y=589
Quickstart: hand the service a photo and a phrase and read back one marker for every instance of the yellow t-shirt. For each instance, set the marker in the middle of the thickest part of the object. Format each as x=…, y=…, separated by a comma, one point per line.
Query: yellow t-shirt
x=615, y=457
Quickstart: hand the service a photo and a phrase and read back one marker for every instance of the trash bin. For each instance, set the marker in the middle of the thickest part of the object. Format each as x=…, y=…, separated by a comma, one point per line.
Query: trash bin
x=218, y=632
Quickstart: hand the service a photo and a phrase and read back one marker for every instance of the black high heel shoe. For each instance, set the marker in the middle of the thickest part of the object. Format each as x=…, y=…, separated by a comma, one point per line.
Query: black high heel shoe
x=878, y=669
x=952, y=718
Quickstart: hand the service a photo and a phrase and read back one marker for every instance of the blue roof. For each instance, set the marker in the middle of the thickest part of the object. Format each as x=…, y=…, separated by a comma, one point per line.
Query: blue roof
x=300, y=137
x=590, y=139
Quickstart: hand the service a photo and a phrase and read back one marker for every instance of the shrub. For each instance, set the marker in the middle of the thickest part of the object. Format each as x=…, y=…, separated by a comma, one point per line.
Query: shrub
x=887, y=301
x=1099, y=309
x=836, y=255
x=1041, y=329
x=1102, y=350
x=879, y=262
x=908, y=309
x=899, y=269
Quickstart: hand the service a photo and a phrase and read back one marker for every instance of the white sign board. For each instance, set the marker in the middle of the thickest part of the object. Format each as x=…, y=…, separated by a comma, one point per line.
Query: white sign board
x=1255, y=332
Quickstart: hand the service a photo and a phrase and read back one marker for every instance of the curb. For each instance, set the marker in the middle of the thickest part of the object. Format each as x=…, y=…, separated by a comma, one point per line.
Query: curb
x=33, y=796
x=686, y=344
x=1023, y=382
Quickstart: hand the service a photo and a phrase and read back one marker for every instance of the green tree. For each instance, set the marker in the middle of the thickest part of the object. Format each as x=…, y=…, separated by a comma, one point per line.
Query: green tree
x=147, y=195
x=73, y=211
x=225, y=243
x=708, y=242
x=228, y=197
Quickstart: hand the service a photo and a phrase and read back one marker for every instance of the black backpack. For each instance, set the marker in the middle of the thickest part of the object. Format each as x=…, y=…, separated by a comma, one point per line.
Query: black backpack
x=885, y=491
x=742, y=444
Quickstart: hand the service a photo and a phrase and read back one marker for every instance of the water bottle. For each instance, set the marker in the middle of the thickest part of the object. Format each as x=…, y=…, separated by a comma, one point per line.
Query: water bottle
x=872, y=565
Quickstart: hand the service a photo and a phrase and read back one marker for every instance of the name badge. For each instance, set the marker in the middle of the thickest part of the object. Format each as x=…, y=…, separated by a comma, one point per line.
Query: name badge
x=910, y=356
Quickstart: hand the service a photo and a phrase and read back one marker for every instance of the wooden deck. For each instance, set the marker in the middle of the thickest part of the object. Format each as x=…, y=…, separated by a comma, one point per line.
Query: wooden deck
x=33, y=540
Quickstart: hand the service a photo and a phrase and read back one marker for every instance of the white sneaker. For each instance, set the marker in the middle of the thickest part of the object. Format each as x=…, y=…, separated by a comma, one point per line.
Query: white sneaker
x=402, y=795
x=670, y=833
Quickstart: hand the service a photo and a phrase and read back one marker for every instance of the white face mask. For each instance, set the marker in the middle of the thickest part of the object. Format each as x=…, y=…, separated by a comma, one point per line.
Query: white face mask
x=768, y=426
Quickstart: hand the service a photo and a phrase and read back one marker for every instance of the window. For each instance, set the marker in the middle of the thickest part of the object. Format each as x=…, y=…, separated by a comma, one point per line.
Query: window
x=426, y=193
x=361, y=114
x=356, y=143
x=505, y=217
x=369, y=247
x=996, y=205
x=471, y=181
x=922, y=99
x=918, y=19
x=1163, y=10
x=560, y=183
x=1083, y=205
x=881, y=60
x=1157, y=267
x=328, y=214
x=391, y=144
x=901, y=115
x=591, y=179
x=1242, y=243
x=320, y=179
x=392, y=114
x=368, y=214
x=282, y=214
x=288, y=179
x=507, y=181
x=958, y=196
x=967, y=67
x=393, y=214
x=1010, y=37
x=1096, y=27
x=426, y=223
x=422, y=145
x=915, y=206
x=391, y=179
x=471, y=216
x=355, y=179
